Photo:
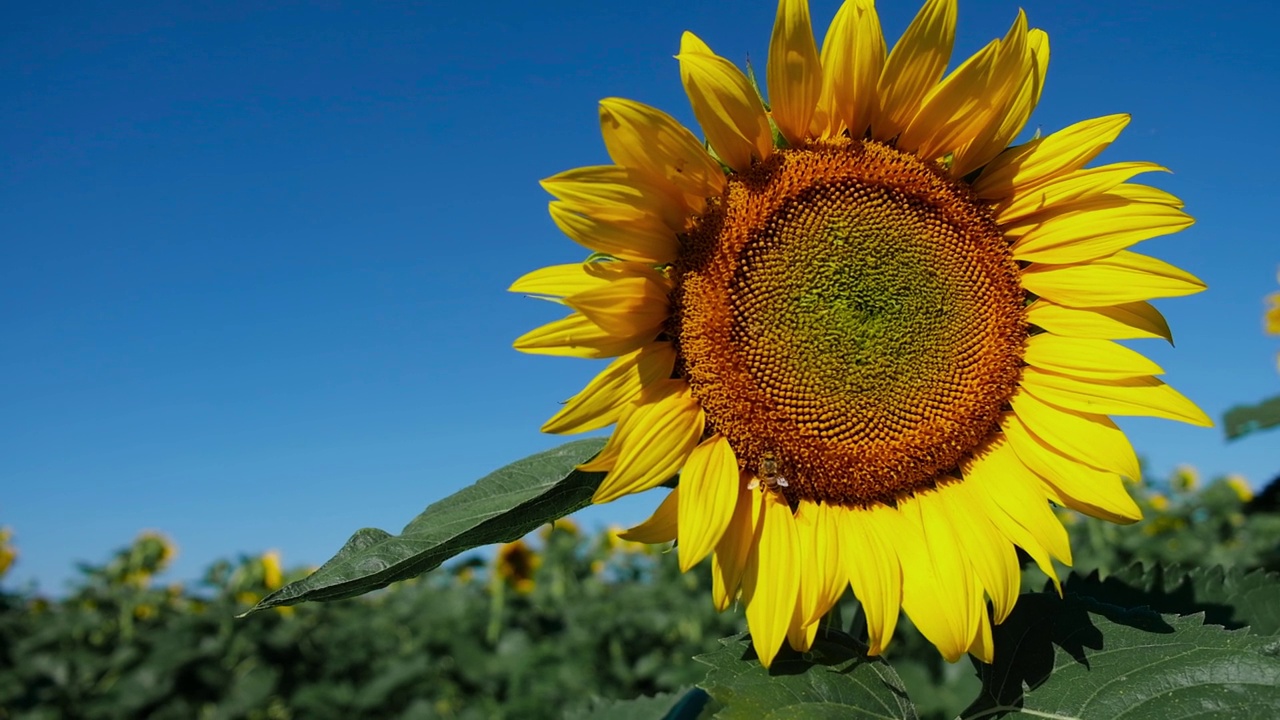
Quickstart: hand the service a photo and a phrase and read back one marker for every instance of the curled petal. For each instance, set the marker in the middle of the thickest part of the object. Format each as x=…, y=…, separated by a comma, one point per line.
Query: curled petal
x=725, y=105
x=914, y=67
x=646, y=139
x=794, y=73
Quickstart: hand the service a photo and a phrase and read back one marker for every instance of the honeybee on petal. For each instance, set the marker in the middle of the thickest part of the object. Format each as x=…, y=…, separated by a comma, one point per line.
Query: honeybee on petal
x=768, y=473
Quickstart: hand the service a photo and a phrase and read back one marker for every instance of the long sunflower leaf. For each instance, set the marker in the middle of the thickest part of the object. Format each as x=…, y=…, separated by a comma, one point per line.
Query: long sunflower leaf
x=500, y=507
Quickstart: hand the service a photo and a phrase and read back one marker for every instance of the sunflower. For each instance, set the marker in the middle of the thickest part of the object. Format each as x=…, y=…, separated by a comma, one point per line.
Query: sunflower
x=1272, y=318
x=875, y=340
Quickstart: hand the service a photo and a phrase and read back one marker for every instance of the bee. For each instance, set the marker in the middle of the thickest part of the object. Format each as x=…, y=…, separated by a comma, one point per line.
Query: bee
x=768, y=472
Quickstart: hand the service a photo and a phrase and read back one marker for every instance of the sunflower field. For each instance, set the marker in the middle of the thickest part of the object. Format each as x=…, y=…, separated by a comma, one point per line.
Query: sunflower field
x=568, y=624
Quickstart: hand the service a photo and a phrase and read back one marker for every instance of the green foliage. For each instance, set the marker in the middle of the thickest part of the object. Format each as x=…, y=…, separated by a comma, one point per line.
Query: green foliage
x=1232, y=598
x=1076, y=658
x=1242, y=420
x=560, y=624
x=600, y=619
x=835, y=680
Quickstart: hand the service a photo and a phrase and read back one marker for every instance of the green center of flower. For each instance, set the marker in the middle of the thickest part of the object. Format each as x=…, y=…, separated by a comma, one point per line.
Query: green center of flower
x=851, y=319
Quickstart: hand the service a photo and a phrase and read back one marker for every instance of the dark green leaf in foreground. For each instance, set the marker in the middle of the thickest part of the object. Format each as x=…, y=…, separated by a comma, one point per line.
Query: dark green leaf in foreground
x=1233, y=598
x=500, y=507
x=1267, y=500
x=835, y=680
x=1244, y=419
x=1076, y=658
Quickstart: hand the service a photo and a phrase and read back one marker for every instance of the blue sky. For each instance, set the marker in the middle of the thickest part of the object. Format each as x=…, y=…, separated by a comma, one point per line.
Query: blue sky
x=253, y=256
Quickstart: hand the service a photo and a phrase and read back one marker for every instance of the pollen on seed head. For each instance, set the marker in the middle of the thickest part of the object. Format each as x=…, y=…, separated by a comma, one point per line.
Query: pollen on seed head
x=850, y=319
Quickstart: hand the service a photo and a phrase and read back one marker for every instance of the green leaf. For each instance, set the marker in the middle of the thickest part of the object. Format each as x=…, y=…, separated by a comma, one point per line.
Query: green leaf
x=1267, y=500
x=835, y=680
x=500, y=507
x=1077, y=658
x=1244, y=419
x=663, y=706
x=1232, y=598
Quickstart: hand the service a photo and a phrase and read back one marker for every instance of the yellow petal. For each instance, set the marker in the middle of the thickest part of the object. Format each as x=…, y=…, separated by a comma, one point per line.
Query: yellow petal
x=948, y=112
x=938, y=589
x=573, y=278
x=601, y=402
x=627, y=305
x=646, y=139
x=1131, y=396
x=983, y=646
x=1124, y=277
x=799, y=635
x=647, y=240
x=836, y=69
x=824, y=582
x=1094, y=492
x=556, y=281
x=1081, y=357
x=1123, y=194
x=871, y=562
x=616, y=194
x=576, y=336
x=1016, y=505
x=710, y=481
x=604, y=460
x=1024, y=100
x=794, y=73
x=771, y=582
x=989, y=553
x=661, y=526
x=655, y=442
x=1126, y=321
x=1138, y=192
x=725, y=105
x=1070, y=188
x=1077, y=236
x=826, y=120
x=625, y=429
x=914, y=67
x=1047, y=158
x=853, y=54
x=971, y=133
x=730, y=559
x=972, y=101
x=1088, y=437
x=1038, y=42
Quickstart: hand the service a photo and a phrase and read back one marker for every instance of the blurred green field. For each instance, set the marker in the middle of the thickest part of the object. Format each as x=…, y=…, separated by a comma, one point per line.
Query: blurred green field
x=549, y=626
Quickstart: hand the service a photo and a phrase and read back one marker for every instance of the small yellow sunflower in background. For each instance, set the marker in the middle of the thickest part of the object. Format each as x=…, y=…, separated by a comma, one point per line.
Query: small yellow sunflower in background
x=875, y=341
x=1273, y=317
x=516, y=564
x=8, y=553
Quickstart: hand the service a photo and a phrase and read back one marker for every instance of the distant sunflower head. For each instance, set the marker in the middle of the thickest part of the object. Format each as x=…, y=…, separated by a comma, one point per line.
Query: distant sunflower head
x=1272, y=318
x=517, y=564
x=875, y=340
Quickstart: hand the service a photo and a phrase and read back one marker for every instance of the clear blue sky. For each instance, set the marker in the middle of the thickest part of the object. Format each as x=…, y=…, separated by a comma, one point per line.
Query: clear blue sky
x=253, y=256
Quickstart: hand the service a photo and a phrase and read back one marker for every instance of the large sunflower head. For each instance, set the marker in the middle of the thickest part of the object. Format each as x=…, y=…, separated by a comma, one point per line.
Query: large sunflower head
x=875, y=340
